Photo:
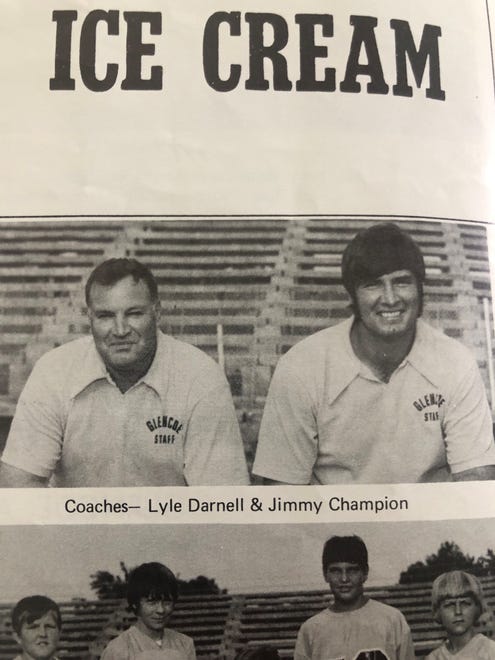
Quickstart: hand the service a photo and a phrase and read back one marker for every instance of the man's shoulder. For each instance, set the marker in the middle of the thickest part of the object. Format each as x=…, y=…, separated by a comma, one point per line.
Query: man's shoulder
x=438, y=343
x=441, y=358
x=72, y=350
x=328, y=340
x=189, y=358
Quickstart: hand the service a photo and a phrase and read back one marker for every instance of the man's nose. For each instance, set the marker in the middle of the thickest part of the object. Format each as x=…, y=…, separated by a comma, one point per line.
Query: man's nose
x=344, y=576
x=120, y=325
x=389, y=293
x=458, y=609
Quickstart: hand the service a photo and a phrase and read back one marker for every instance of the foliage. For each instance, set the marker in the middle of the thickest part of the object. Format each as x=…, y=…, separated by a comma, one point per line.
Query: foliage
x=448, y=557
x=107, y=585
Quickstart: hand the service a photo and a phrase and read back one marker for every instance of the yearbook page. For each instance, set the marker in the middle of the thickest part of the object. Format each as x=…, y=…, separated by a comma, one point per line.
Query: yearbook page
x=247, y=383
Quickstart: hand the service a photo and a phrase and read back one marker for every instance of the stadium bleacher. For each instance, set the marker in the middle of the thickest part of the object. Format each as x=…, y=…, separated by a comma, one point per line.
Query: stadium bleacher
x=222, y=624
x=260, y=284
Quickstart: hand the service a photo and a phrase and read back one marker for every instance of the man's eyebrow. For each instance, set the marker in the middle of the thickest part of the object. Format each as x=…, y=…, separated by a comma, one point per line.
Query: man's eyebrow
x=102, y=310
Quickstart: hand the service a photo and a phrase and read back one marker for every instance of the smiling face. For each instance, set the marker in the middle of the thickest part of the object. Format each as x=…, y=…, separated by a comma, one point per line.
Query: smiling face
x=346, y=581
x=124, y=321
x=153, y=614
x=458, y=614
x=39, y=639
x=389, y=306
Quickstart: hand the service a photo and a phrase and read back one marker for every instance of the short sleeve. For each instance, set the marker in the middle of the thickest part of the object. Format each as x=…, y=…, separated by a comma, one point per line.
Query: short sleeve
x=288, y=439
x=116, y=650
x=405, y=650
x=190, y=651
x=35, y=439
x=213, y=452
x=302, y=650
x=468, y=424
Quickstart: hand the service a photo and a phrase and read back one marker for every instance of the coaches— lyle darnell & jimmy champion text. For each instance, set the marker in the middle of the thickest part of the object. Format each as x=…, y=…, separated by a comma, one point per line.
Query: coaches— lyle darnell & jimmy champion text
x=172, y=506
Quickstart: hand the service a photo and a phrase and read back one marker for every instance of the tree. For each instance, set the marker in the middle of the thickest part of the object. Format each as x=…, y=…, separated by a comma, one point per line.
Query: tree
x=107, y=585
x=448, y=557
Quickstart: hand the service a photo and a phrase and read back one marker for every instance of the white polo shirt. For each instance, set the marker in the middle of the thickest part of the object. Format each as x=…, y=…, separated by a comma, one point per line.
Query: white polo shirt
x=328, y=419
x=176, y=426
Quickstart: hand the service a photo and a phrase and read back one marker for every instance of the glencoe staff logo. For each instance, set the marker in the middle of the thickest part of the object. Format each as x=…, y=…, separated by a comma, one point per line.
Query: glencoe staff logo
x=164, y=422
x=428, y=400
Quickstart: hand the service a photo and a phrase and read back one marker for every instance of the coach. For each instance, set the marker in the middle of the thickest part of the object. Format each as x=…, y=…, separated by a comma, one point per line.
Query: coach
x=382, y=397
x=127, y=406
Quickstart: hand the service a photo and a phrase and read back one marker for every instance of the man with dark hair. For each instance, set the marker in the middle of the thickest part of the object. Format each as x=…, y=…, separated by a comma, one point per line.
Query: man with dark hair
x=382, y=397
x=353, y=626
x=127, y=406
x=152, y=592
x=37, y=622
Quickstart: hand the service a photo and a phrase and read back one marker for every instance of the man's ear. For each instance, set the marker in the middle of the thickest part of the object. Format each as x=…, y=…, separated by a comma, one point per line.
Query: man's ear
x=158, y=310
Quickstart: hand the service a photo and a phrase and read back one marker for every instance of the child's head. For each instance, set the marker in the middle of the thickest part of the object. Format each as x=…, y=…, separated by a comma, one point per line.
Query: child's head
x=345, y=568
x=349, y=549
x=152, y=591
x=457, y=601
x=36, y=621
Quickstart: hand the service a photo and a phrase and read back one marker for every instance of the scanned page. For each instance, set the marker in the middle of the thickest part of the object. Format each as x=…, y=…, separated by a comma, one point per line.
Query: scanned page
x=246, y=358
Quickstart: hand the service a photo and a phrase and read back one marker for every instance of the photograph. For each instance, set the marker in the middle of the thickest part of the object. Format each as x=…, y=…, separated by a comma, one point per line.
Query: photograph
x=305, y=350
x=225, y=592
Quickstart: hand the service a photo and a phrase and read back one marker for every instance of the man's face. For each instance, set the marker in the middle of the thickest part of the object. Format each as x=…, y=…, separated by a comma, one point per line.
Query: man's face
x=458, y=614
x=346, y=582
x=389, y=306
x=153, y=613
x=39, y=639
x=124, y=323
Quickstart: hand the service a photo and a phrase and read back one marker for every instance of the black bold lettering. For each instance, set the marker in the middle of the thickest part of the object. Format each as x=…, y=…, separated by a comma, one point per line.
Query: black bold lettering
x=87, y=54
x=258, y=52
x=69, y=506
x=428, y=50
x=309, y=52
x=364, y=33
x=63, y=39
x=211, y=50
x=136, y=50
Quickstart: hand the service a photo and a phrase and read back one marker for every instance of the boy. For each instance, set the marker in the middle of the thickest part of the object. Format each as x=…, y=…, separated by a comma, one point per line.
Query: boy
x=353, y=627
x=37, y=622
x=457, y=603
x=152, y=592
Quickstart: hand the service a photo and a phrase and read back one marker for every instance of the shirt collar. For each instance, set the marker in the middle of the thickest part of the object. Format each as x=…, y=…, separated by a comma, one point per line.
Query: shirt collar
x=343, y=366
x=93, y=368
x=346, y=366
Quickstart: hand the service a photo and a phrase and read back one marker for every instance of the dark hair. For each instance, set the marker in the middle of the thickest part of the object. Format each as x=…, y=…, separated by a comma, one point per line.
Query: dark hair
x=258, y=653
x=378, y=250
x=351, y=549
x=112, y=271
x=153, y=579
x=31, y=608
